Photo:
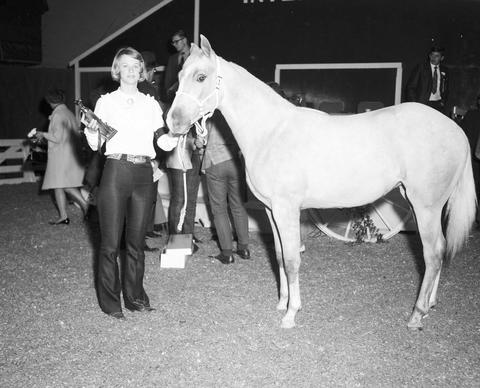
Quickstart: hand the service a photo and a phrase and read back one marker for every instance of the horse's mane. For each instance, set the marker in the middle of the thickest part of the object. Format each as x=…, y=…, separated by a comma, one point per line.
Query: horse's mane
x=259, y=83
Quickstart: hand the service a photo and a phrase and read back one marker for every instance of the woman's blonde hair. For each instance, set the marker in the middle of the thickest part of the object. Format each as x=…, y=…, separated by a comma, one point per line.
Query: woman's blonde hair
x=131, y=52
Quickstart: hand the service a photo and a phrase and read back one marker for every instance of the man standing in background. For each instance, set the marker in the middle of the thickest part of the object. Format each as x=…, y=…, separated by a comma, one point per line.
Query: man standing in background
x=175, y=63
x=428, y=82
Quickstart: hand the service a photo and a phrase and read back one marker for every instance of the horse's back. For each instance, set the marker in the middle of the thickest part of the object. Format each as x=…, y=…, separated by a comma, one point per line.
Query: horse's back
x=329, y=158
x=398, y=132
x=408, y=120
x=423, y=139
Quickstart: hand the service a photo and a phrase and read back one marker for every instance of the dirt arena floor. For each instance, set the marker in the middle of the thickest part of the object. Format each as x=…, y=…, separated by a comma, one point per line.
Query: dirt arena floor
x=216, y=325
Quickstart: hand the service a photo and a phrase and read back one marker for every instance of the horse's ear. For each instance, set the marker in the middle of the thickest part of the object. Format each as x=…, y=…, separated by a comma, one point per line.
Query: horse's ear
x=205, y=45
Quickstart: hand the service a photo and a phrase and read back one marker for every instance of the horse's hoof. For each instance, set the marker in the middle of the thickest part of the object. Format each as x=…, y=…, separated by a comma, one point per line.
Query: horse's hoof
x=415, y=328
x=415, y=321
x=288, y=320
x=287, y=323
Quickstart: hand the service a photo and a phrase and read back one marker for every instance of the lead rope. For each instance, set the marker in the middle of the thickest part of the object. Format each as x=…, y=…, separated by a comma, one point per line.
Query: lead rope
x=182, y=144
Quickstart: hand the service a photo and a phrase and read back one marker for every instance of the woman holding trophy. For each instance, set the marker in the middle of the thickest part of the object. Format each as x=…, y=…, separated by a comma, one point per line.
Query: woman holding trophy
x=125, y=193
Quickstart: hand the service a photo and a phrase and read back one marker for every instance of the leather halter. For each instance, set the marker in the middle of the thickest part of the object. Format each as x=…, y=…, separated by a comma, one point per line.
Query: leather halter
x=204, y=115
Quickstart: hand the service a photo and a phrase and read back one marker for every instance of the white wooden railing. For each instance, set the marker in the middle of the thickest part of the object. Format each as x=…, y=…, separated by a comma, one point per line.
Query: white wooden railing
x=16, y=151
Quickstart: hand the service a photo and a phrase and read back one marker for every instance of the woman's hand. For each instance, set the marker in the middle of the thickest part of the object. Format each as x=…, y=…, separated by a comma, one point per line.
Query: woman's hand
x=167, y=142
x=91, y=126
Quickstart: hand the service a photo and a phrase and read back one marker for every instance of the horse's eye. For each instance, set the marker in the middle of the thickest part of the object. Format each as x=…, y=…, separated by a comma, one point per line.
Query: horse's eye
x=201, y=77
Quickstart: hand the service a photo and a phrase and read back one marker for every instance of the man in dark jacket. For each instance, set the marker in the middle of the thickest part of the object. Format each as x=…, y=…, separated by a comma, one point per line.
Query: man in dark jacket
x=428, y=83
x=175, y=63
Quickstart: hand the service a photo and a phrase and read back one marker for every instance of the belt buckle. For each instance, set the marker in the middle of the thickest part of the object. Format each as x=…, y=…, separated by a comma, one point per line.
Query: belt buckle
x=136, y=159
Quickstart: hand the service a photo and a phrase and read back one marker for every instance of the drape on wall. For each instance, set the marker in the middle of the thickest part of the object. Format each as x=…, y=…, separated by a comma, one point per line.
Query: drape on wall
x=22, y=106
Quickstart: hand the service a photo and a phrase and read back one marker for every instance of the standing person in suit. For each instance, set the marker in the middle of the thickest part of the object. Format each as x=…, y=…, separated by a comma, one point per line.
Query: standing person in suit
x=125, y=195
x=175, y=63
x=226, y=187
x=428, y=82
x=64, y=173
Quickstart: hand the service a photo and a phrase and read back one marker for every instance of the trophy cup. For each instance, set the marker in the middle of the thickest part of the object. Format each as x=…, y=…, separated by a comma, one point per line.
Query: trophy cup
x=106, y=131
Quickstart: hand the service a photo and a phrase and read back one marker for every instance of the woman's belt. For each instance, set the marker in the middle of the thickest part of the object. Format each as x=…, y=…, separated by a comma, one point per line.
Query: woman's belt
x=135, y=159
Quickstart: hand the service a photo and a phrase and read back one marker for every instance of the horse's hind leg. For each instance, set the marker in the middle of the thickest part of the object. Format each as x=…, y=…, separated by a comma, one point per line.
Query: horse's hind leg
x=430, y=230
x=287, y=219
x=283, y=300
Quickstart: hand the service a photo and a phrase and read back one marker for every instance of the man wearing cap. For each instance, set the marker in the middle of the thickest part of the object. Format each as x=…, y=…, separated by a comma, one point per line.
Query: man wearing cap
x=428, y=83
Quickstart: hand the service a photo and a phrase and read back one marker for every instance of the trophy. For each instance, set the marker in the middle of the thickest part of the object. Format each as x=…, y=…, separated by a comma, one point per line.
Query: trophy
x=106, y=131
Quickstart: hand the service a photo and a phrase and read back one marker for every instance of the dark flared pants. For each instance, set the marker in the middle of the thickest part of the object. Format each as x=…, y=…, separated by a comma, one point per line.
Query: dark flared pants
x=124, y=199
x=177, y=196
x=226, y=188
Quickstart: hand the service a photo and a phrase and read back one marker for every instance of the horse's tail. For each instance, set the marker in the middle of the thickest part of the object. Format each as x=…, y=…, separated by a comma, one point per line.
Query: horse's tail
x=461, y=209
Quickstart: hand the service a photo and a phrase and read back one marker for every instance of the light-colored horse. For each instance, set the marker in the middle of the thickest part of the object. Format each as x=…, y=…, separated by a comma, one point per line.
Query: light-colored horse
x=299, y=158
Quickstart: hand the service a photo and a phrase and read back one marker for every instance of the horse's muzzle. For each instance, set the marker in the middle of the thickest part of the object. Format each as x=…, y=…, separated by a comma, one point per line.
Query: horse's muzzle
x=177, y=122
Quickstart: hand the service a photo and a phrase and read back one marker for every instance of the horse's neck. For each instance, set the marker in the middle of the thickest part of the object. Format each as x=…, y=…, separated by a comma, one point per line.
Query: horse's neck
x=248, y=108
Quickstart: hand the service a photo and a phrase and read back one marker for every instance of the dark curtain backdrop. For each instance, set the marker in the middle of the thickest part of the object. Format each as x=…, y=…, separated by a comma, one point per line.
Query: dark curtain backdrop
x=22, y=106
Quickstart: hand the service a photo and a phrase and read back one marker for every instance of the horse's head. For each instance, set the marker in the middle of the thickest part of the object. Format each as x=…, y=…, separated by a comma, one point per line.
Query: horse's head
x=198, y=92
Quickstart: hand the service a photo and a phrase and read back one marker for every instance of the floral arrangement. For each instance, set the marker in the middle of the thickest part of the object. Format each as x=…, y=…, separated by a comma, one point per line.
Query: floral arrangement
x=364, y=227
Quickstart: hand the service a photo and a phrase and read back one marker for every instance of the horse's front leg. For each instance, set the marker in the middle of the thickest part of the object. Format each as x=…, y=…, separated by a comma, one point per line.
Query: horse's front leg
x=287, y=219
x=283, y=300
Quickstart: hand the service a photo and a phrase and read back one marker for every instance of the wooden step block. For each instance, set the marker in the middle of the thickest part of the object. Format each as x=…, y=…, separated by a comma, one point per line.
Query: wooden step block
x=177, y=251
